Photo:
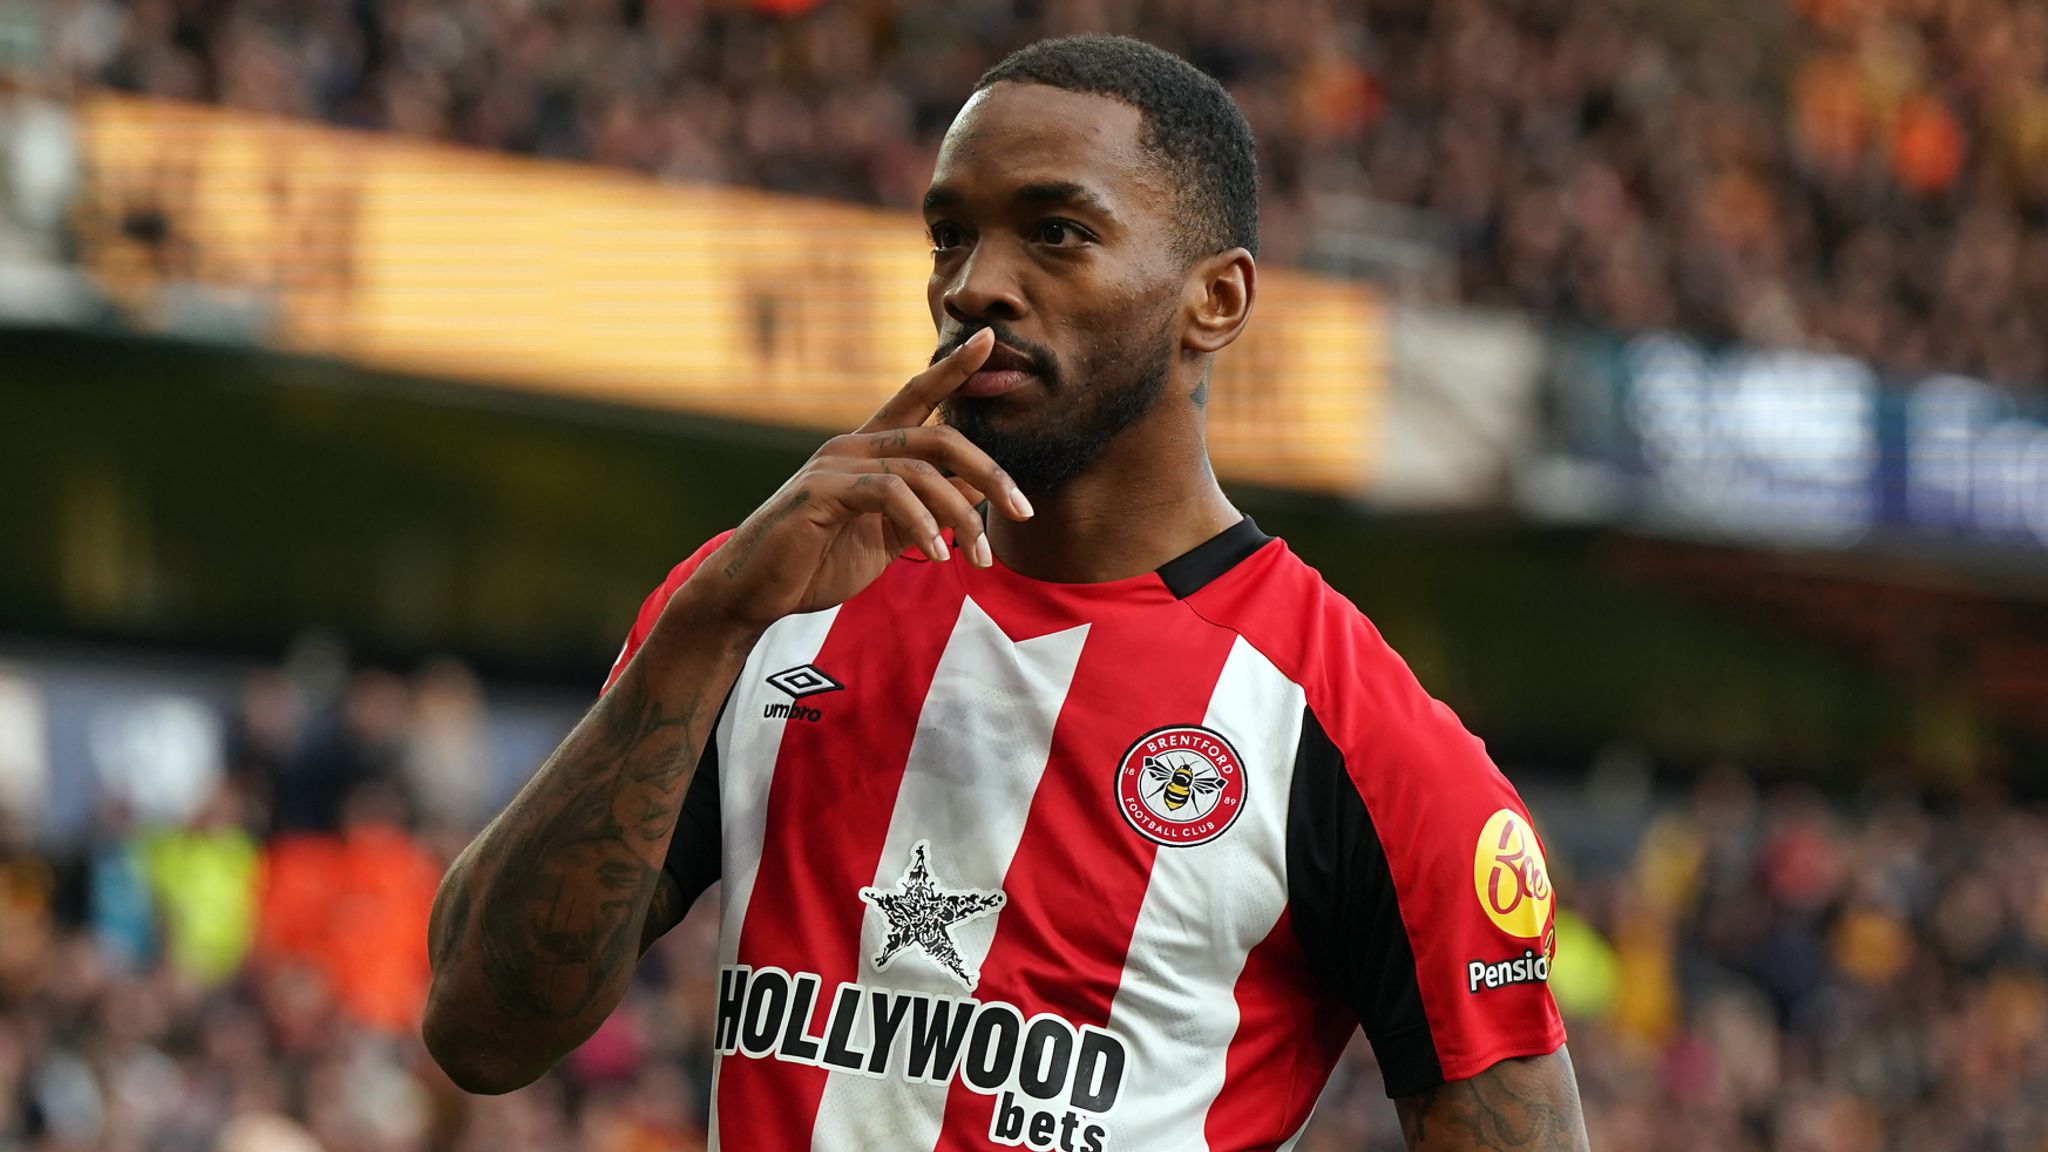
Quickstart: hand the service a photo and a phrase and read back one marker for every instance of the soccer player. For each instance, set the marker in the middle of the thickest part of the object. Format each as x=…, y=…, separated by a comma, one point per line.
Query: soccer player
x=1092, y=821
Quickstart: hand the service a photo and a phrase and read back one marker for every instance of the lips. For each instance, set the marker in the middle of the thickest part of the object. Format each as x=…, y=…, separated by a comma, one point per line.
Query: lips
x=1003, y=358
x=984, y=383
x=1005, y=370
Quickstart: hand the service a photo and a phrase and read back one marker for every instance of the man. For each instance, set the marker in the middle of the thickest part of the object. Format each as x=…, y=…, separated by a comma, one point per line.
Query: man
x=1099, y=826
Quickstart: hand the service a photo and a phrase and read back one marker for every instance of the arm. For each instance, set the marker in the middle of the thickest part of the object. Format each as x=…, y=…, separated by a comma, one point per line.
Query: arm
x=1521, y=1105
x=539, y=922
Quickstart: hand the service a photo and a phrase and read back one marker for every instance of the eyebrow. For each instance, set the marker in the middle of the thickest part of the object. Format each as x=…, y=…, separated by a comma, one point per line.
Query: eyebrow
x=1047, y=193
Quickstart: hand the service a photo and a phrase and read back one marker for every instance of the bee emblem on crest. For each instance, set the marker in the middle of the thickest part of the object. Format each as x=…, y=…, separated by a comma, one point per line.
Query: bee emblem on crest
x=1178, y=784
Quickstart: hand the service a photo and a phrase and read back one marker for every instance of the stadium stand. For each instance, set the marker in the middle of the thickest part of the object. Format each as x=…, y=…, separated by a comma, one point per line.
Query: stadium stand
x=1863, y=175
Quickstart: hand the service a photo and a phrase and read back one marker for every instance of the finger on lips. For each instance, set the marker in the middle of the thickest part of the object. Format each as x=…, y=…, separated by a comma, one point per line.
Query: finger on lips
x=914, y=403
x=921, y=476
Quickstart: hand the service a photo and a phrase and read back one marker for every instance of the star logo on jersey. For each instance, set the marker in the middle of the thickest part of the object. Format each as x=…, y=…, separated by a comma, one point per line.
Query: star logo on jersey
x=921, y=913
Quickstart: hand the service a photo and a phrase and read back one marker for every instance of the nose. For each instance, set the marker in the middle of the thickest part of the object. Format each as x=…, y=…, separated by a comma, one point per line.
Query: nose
x=984, y=288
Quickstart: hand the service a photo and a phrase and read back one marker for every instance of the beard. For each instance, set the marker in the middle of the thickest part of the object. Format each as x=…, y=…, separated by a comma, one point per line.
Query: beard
x=1076, y=425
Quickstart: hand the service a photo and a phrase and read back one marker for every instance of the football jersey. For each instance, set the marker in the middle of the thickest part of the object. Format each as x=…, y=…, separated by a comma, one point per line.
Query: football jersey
x=1097, y=867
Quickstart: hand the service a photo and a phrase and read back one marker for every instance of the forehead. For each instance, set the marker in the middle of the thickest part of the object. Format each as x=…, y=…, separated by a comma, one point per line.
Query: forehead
x=1011, y=135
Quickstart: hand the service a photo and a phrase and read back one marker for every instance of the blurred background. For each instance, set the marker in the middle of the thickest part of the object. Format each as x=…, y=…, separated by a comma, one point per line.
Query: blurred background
x=1664, y=378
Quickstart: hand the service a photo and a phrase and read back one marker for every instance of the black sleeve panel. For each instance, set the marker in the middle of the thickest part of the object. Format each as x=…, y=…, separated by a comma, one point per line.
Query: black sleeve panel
x=696, y=850
x=1346, y=916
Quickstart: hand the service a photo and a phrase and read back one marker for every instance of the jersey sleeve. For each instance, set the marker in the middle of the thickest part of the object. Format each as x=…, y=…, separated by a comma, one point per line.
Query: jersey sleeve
x=650, y=608
x=695, y=850
x=1419, y=887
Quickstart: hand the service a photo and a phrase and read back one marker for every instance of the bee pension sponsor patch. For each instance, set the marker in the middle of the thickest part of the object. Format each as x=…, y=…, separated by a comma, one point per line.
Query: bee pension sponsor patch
x=1512, y=882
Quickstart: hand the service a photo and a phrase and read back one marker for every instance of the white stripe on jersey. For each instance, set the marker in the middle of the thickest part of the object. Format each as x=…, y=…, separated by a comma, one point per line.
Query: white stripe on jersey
x=990, y=698
x=1176, y=1007
x=746, y=764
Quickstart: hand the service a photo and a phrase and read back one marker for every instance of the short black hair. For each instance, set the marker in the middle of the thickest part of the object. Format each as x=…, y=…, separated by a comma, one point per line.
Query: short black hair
x=1191, y=125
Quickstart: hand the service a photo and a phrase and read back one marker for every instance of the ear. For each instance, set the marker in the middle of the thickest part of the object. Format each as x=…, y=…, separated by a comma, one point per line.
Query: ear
x=1218, y=300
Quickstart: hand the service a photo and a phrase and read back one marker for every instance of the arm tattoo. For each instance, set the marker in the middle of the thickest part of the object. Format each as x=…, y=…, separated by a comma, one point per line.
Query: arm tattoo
x=577, y=859
x=751, y=537
x=1524, y=1105
x=664, y=912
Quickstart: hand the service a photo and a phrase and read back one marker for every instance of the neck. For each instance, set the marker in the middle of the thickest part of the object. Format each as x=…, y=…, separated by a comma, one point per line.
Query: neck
x=1151, y=497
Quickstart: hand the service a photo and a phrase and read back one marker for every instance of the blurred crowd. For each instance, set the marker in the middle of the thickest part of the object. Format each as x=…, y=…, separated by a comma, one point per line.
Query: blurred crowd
x=234, y=961
x=1766, y=971
x=1864, y=175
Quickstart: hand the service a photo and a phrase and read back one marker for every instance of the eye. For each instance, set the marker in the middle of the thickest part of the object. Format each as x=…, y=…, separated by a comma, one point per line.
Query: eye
x=1060, y=234
x=944, y=236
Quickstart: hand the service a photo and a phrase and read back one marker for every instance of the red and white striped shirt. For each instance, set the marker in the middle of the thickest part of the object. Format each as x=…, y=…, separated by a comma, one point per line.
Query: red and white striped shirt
x=1102, y=868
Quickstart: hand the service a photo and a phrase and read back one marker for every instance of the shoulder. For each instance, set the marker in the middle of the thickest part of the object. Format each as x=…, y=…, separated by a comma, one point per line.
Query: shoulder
x=1380, y=734
x=1357, y=686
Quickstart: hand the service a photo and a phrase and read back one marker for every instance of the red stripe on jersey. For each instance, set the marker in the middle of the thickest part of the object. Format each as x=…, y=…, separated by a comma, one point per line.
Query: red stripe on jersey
x=650, y=608
x=827, y=820
x=1270, y=1077
x=1428, y=787
x=1079, y=876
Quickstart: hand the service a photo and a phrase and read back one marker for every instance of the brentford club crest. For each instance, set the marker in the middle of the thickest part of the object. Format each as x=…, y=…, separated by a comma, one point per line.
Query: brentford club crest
x=1181, y=785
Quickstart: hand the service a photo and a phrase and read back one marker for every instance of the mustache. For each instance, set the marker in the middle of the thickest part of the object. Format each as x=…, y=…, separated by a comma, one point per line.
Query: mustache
x=1040, y=358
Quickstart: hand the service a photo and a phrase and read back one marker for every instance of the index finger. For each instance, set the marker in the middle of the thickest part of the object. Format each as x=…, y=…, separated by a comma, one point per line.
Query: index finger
x=913, y=403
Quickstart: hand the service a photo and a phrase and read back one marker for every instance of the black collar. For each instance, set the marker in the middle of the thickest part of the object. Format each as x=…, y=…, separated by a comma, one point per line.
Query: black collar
x=1186, y=574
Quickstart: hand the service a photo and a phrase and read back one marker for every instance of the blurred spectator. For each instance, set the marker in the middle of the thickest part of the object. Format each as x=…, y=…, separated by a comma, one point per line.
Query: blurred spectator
x=27, y=888
x=39, y=167
x=202, y=879
x=443, y=759
x=358, y=742
x=161, y=756
x=353, y=909
x=119, y=906
x=265, y=1132
x=24, y=770
x=1864, y=175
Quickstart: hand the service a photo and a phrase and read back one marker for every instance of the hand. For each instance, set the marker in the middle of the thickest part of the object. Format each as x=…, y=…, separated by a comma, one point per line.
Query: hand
x=860, y=502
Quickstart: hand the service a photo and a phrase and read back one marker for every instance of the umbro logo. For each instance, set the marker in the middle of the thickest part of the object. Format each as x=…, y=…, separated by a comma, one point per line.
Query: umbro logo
x=797, y=683
x=804, y=680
